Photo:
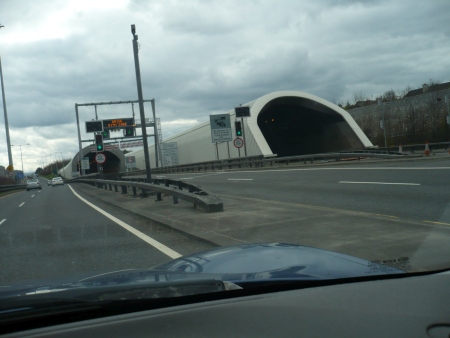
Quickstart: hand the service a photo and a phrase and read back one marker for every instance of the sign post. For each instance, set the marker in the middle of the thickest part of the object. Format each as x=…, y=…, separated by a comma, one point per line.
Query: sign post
x=130, y=162
x=238, y=142
x=100, y=158
x=220, y=129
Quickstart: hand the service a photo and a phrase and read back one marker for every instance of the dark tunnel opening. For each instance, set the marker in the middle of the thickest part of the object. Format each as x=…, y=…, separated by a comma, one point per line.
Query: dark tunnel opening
x=298, y=126
x=112, y=164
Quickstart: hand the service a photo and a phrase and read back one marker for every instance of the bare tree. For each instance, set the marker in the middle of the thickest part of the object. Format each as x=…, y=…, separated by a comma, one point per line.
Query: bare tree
x=389, y=95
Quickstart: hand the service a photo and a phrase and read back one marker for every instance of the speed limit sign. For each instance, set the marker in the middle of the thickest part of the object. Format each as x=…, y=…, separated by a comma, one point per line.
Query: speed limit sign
x=238, y=142
x=100, y=158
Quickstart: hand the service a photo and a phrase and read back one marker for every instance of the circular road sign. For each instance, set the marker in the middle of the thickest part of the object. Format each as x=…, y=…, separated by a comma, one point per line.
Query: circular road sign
x=130, y=159
x=10, y=174
x=100, y=158
x=238, y=142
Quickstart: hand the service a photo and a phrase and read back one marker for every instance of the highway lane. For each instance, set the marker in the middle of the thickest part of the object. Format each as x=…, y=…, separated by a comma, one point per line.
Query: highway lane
x=416, y=190
x=54, y=234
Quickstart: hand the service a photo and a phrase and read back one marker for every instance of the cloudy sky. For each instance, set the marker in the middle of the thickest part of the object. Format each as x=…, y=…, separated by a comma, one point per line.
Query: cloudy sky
x=202, y=57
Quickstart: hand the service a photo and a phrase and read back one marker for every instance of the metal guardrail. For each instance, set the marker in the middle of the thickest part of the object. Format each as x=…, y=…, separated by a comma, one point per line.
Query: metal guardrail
x=412, y=147
x=10, y=187
x=201, y=199
x=260, y=161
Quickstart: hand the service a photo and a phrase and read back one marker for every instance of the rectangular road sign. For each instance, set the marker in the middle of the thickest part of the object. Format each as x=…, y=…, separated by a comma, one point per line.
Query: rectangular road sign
x=242, y=112
x=120, y=123
x=220, y=128
x=169, y=154
x=84, y=164
x=130, y=161
x=94, y=126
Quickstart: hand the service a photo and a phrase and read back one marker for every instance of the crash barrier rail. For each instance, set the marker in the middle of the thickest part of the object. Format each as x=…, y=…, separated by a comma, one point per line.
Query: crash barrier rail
x=261, y=161
x=212, y=165
x=178, y=189
x=11, y=187
x=419, y=147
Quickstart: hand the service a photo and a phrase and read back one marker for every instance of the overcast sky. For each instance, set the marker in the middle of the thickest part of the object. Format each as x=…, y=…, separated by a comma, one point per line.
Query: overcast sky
x=202, y=57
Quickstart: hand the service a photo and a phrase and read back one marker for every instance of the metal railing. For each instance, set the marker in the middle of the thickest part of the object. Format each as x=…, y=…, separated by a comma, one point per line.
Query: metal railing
x=10, y=187
x=261, y=161
x=420, y=147
x=178, y=189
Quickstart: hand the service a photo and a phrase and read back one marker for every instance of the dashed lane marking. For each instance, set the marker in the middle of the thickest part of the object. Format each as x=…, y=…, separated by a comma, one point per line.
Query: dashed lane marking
x=429, y=222
x=382, y=183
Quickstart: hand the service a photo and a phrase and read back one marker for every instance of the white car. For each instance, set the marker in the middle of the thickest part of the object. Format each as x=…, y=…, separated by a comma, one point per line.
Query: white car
x=57, y=181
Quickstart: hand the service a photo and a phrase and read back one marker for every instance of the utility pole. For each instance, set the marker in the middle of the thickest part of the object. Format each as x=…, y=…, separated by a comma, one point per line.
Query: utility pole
x=8, y=141
x=141, y=104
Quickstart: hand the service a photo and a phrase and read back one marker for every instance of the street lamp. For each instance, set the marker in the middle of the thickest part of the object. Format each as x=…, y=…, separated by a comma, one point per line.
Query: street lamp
x=20, y=145
x=8, y=142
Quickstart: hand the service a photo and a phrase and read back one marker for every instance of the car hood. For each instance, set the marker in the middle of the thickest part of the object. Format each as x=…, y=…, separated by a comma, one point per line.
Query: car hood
x=276, y=260
x=236, y=264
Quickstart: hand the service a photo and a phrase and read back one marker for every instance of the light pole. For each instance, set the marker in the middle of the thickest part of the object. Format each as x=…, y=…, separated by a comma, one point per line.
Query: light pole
x=20, y=145
x=141, y=104
x=8, y=142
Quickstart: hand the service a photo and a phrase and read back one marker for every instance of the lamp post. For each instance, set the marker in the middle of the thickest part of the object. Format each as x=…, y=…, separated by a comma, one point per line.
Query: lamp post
x=141, y=104
x=20, y=145
x=8, y=141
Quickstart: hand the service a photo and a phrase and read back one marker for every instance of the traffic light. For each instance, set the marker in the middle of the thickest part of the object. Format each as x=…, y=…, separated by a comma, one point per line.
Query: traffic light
x=106, y=134
x=238, y=127
x=99, y=142
x=128, y=132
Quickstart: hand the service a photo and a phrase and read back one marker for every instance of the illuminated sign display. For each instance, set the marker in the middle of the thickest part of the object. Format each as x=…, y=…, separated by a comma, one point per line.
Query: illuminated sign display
x=118, y=123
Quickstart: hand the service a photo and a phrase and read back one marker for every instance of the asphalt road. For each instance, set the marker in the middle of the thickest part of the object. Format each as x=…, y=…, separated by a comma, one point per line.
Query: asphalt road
x=416, y=190
x=51, y=233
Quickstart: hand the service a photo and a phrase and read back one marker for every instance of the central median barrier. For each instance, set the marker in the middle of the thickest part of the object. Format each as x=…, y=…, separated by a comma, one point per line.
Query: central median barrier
x=11, y=187
x=202, y=200
x=262, y=161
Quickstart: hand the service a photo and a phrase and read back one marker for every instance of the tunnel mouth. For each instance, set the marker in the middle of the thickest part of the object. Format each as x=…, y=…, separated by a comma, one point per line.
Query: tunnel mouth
x=299, y=126
x=111, y=165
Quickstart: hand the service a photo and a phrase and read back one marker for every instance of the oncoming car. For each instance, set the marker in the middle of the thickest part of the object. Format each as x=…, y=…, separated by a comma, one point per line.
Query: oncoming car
x=33, y=184
x=57, y=181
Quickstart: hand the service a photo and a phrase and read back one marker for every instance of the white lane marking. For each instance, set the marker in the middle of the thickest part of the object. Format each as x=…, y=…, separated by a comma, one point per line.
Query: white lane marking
x=350, y=182
x=239, y=179
x=161, y=247
x=186, y=178
x=21, y=204
x=2, y=221
x=315, y=169
x=32, y=196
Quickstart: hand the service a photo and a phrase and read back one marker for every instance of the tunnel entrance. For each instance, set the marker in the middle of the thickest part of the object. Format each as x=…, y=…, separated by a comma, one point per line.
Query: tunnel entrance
x=112, y=164
x=298, y=126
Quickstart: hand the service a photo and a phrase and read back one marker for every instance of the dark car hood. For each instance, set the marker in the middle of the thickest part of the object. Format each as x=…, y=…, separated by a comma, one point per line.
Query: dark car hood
x=242, y=263
x=276, y=260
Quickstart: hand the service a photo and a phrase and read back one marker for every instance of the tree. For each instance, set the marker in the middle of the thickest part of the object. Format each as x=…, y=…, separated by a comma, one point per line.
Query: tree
x=38, y=171
x=389, y=95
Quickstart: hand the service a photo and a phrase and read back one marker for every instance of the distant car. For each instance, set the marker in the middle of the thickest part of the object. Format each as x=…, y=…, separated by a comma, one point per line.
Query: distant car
x=57, y=181
x=33, y=184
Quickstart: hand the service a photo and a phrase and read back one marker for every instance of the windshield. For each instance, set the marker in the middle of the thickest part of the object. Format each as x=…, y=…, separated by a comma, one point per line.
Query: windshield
x=300, y=139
